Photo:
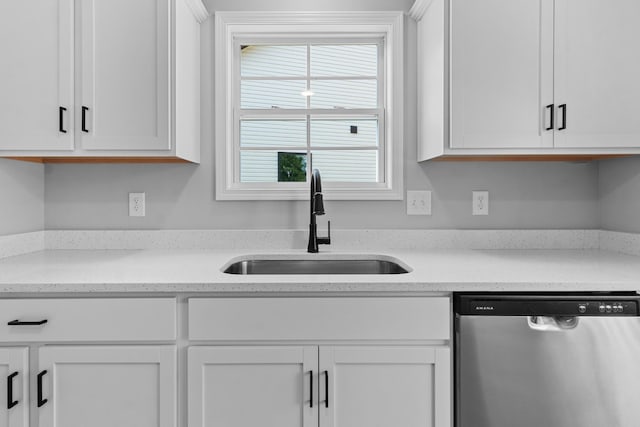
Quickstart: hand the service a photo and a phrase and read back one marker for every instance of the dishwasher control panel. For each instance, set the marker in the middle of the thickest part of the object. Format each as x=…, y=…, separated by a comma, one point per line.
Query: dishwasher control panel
x=548, y=305
x=606, y=307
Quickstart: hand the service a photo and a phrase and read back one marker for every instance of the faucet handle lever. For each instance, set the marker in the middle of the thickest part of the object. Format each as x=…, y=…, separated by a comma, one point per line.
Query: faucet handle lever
x=326, y=240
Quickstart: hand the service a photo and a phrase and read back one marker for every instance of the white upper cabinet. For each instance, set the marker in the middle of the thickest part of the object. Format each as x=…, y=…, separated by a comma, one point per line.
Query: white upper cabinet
x=136, y=78
x=36, y=77
x=501, y=73
x=528, y=78
x=125, y=75
x=597, y=69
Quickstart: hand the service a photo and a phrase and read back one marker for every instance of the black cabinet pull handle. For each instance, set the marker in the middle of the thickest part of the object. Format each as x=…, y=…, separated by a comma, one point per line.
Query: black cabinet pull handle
x=61, y=111
x=326, y=386
x=310, y=389
x=41, y=401
x=10, y=402
x=21, y=323
x=563, y=107
x=550, y=107
x=84, y=119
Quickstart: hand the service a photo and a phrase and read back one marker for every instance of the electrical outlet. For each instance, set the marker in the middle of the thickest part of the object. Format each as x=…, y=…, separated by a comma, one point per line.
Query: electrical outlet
x=418, y=202
x=136, y=204
x=480, y=203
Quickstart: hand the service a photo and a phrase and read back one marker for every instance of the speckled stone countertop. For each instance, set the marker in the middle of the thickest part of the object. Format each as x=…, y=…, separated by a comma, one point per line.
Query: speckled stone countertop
x=435, y=270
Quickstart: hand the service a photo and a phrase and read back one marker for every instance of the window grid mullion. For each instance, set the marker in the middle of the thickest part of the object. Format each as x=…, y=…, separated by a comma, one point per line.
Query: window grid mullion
x=323, y=148
x=292, y=114
x=308, y=116
x=382, y=101
x=236, y=111
x=309, y=77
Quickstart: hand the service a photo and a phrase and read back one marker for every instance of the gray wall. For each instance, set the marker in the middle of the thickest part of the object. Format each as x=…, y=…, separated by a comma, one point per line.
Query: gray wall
x=21, y=196
x=522, y=195
x=619, y=190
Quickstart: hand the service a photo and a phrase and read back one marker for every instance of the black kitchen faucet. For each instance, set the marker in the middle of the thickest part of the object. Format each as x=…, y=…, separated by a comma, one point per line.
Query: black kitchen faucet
x=316, y=208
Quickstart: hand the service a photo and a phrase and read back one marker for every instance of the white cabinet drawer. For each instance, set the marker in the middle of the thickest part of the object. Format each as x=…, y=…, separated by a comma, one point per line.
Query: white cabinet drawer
x=88, y=319
x=339, y=318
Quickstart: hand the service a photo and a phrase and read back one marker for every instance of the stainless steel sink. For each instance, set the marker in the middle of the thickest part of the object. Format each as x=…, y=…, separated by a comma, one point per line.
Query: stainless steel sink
x=316, y=266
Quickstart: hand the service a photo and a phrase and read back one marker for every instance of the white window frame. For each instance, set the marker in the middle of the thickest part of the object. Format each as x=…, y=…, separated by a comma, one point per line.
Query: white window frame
x=330, y=26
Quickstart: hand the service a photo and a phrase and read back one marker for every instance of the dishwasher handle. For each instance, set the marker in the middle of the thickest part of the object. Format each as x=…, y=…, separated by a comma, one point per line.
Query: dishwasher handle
x=552, y=323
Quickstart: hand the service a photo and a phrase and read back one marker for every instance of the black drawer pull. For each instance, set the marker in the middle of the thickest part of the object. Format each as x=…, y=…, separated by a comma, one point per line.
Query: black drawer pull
x=10, y=402
x=310, y=389
x=41, y=401
x=61, y=112
x=551, y=114
x=326, y=386
x=84, y=119
x=21, y=323
x=563, y=107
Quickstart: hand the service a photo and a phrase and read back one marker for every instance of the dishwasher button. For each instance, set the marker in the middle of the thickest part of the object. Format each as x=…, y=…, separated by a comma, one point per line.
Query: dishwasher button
x=608, y=309
x=582, y=308
x=601, y=308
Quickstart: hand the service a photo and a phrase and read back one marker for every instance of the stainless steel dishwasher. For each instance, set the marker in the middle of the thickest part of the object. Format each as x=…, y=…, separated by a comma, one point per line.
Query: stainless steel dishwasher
x=547, y=360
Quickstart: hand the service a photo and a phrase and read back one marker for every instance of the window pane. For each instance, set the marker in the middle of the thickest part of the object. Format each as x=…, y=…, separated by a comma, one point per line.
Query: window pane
x=267, y=94
x=273, y=133
x=292, y=167
x=347, y=166
x=352, y=133
x=269, y=61
x=344, y=94
x=272, y=166
x=344, y=60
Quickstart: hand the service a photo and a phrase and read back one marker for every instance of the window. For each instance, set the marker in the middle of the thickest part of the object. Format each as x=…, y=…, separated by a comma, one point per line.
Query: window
x=301, y=91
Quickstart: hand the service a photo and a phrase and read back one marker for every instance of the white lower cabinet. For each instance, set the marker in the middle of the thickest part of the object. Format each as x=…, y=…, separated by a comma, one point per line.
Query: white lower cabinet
x=131, y=382
x=253, y=361
x=107, y=386
x=385, y=386
x=14, y=396
x=97, y=386
x=252, y=386
x=348, y=361
x=326, y=386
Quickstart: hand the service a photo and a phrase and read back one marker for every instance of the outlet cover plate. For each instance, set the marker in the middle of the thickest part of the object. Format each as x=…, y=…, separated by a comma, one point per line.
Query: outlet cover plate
x=418, y=202
x=480, y=202
x=136, y=204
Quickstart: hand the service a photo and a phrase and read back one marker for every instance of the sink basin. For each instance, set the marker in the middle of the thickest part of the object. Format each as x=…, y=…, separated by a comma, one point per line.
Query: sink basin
x=369, y=265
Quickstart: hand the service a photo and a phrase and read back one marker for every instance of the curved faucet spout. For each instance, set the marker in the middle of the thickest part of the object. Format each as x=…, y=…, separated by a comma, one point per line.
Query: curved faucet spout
x=316, y=181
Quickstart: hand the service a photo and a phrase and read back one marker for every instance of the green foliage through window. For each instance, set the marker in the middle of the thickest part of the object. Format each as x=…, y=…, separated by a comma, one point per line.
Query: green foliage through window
x=292, y=167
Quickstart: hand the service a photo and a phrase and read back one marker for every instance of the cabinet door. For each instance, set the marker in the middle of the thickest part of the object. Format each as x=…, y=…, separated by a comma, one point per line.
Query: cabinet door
x=132, y=386
x=253, y=386
x=14, y=394
x=125, y=75
x=385, y=386
x=36, y=76
x=501, y=73
x=597, y=65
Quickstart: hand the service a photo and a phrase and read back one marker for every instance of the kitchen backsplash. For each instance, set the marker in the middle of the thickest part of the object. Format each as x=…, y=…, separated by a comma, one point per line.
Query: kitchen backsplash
x=21, y=197
x=556, y=195
x=295, y=240
x=619, y=191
